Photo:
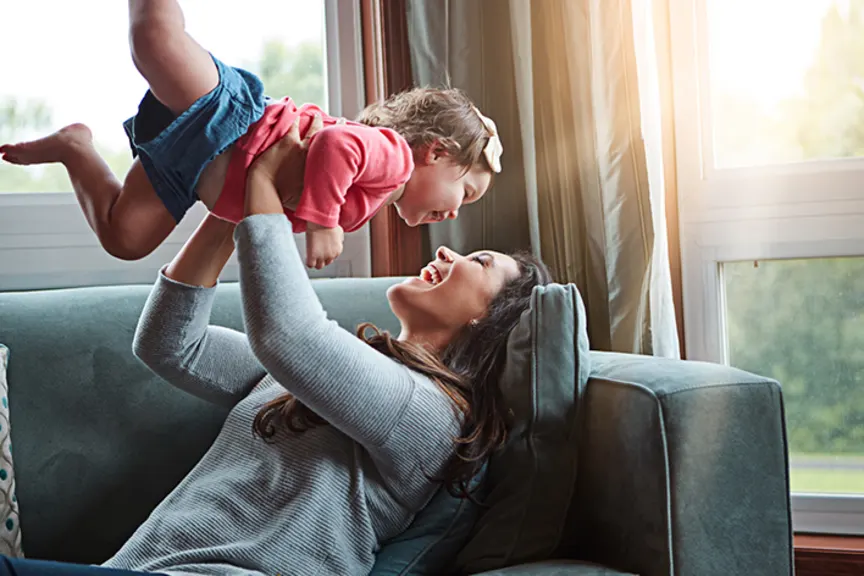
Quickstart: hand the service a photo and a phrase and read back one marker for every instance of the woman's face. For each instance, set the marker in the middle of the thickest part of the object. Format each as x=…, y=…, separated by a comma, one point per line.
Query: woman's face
x=449, y=293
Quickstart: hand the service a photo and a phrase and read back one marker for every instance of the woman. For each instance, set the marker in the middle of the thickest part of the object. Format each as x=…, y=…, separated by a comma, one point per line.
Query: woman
x=333, y=442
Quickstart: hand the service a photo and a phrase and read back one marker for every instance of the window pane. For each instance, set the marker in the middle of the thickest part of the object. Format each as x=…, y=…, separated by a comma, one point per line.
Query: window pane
x=802, y=323
x=84, y=73
x=787, y=80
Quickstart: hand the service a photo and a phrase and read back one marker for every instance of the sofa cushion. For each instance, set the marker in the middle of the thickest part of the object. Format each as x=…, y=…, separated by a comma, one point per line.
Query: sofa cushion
x=429, y=545
x=10, y=531
x=530, y=480
x=556, y=568
x=99, y=439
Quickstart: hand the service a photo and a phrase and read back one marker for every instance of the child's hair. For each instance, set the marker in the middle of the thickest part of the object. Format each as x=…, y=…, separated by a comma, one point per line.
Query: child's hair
x=424, y=115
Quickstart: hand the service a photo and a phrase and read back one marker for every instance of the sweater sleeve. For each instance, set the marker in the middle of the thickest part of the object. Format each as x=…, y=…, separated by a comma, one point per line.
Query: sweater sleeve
x=376, y=159
x=174, y=340
x=355, y=388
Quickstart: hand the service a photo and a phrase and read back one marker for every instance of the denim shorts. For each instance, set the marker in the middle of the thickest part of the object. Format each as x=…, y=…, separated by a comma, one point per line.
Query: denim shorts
x=174, y=150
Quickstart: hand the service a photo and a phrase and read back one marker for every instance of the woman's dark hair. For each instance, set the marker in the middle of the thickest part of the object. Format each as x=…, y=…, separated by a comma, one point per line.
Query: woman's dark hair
x=467, y=371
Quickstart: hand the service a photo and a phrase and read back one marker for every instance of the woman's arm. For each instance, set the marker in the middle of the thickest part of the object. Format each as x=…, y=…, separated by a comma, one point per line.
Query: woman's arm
x=352, y=386
x=173, y=337
x=342, y=379
x=200, y=261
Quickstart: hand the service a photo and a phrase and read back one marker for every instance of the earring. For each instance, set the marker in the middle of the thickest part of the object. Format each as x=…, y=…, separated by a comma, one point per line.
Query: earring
x=474, y=322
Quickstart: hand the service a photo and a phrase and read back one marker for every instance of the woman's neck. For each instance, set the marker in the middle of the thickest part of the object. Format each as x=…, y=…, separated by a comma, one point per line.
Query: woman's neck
x=435, y=341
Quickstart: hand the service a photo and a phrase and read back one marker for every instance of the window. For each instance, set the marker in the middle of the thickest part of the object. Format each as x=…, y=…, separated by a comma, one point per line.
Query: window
x=802, y=322
x=769, y=109
x=307, y=49
x=785, y=89
x=92, y=79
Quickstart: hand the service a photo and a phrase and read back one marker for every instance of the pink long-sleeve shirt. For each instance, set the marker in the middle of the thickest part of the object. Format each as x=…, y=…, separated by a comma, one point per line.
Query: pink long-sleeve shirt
x=351, y=169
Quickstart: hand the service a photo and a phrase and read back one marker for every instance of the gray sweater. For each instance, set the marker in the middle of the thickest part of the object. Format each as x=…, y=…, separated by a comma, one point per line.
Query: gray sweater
x=317, y=503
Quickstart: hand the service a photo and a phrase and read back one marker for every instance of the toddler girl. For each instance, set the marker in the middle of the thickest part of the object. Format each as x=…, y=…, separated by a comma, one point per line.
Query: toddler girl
x=202, y=123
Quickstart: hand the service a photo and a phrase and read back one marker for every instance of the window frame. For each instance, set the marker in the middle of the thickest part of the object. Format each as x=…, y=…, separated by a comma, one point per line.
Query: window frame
x=810, y=209
x=46, y=243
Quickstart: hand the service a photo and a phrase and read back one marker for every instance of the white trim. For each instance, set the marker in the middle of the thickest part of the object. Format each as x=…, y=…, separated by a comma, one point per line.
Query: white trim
x=799, y=210
x=46, y=243
x=701, y=285
x=823, y=181
x=53, y=247
x=344, y=47
x=345, y=85
x=703, y=187
x=828, y=514
x=685, y=90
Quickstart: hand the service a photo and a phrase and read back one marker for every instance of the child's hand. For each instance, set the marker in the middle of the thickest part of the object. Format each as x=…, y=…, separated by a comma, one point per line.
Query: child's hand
x=323, y=245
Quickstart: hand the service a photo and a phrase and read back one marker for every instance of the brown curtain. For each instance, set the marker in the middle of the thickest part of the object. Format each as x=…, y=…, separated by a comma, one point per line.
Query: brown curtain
x=396, y=249
x=560, y=79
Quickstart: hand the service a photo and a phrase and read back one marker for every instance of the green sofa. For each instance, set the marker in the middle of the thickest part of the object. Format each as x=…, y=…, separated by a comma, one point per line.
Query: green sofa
x=682, y=465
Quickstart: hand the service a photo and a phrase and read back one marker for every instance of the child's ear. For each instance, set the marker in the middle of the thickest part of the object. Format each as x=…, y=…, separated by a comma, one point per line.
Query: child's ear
x=434, y=153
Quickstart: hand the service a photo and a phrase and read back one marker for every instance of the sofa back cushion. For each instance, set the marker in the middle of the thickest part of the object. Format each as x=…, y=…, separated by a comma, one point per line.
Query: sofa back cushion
x=99, y=440
x=530, y=481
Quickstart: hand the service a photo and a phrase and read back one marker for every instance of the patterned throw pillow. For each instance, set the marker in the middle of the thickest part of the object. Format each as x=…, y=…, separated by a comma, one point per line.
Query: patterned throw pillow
x=10, y=533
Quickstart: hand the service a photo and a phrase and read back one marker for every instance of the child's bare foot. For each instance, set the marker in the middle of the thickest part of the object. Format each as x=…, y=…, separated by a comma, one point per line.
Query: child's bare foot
x=53, y=148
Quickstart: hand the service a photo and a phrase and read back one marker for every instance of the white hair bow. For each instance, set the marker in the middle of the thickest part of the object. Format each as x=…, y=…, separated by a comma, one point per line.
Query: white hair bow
x=494, y=148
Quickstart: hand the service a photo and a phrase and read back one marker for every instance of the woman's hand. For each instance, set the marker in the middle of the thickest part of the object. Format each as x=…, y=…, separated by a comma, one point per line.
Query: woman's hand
x=281, y=166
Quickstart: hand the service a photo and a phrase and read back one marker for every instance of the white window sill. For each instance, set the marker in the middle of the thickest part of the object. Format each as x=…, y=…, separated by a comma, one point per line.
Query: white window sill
x=46, y=243
x=828, y=514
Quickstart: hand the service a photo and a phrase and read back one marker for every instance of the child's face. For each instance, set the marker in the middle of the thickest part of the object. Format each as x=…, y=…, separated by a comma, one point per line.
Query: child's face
x=438, y=188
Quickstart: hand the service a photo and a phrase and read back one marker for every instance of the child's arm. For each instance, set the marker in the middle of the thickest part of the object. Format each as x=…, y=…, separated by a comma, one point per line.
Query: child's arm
x=323, y=245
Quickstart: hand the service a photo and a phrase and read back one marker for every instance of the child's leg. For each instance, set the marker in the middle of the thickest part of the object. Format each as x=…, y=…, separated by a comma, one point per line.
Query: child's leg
x=177, y=68
x=129, y=219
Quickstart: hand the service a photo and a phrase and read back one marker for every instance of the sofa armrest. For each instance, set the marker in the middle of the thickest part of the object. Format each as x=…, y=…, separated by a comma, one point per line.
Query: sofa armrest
x=555, y=568
x=683, y=469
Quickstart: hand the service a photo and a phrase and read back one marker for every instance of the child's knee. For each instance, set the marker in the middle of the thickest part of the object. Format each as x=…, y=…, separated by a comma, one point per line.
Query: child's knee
x=149, y=37
x=122, y=243
x=122, y=248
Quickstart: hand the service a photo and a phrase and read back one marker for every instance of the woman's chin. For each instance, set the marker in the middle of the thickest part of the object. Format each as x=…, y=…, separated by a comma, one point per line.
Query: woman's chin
x=402, y=291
